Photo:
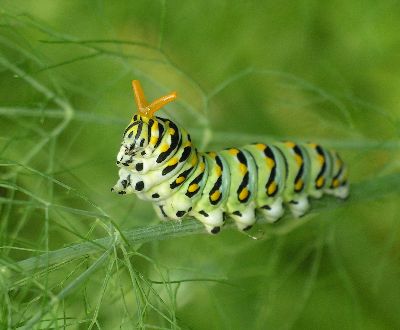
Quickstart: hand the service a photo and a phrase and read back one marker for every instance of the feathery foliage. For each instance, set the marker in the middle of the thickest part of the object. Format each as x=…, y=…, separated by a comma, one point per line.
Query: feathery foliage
x=72, y=255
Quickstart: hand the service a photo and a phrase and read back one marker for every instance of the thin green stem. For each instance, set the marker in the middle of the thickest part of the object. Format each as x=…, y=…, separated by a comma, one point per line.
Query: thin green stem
x=360, y=192
x=68, y=289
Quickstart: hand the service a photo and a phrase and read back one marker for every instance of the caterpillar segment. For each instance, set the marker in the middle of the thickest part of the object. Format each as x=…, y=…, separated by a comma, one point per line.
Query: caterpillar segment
x=159, y=163
x=269, y=181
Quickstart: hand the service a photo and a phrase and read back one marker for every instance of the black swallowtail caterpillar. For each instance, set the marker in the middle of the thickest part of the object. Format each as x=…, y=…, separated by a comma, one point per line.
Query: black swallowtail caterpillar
x=159, y=163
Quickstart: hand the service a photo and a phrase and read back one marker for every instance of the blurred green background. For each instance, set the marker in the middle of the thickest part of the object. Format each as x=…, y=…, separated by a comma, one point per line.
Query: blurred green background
x=245, y=71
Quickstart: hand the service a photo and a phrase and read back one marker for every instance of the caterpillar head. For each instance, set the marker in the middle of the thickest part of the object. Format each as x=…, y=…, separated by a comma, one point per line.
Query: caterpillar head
x=136, y=135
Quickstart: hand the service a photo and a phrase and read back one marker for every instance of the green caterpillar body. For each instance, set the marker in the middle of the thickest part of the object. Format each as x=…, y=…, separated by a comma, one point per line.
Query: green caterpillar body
x=159, y=163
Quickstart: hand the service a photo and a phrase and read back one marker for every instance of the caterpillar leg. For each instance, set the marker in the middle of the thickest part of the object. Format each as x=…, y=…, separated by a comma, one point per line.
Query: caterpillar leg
x=175, y=210
x=341, y=192
x=299, y=206
x=123, y=185
x=244, y=219
x=317, y=194
x=160, y=212
x=274, y=211
x=212, y=220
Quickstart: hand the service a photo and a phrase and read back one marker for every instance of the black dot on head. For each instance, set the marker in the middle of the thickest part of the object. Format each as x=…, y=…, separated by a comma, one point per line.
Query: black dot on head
x=204, y=213
x=247, y=228
x=122, y=192
x=266, y=207
x=190, y=208
x=155, y=195
x=215, y=230
x=139, y=186
x=237, y=213
x=180, y=214
x=139, y=167
x=143, y=153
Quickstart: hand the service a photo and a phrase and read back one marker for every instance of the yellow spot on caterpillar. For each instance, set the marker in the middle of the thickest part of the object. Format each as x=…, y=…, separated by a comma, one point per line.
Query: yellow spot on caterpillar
x=270, y=162
x=242, y=168
x=194, y=160
x=299, y=159
x=271, y=188
x=321, y=159
x=261, y=146
x=202, y=167
x=164, y=147
x=153, y=140
x=171, y=131
x=233, y=151
x=172, y=161
x=218, y=170
x=212, y=154
x=215, y=195
x=180, y=179
x=298, y=185
x=335, y=183
x=193, y=187
x=313, y=145
x=320, y=182
x=244, y=193
x=290, y=144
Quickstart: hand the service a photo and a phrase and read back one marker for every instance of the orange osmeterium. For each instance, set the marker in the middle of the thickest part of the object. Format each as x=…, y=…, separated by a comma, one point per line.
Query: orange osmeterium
x=145, y=109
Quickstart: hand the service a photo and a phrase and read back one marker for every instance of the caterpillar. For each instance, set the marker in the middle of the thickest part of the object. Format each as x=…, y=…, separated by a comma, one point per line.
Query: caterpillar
x=159, y=163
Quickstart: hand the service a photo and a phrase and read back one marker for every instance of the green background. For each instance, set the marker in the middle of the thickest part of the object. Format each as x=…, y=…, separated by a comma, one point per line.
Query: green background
x=244, y=71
